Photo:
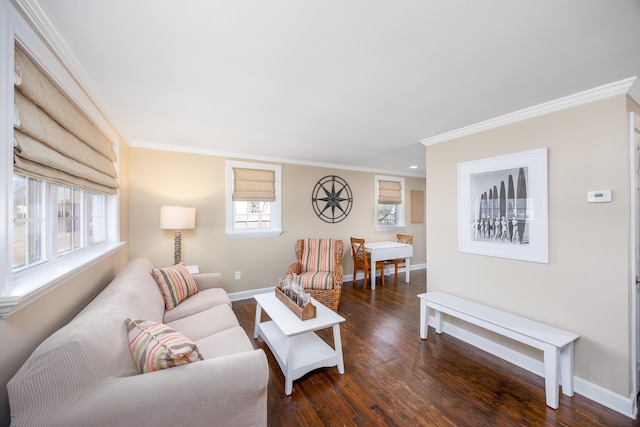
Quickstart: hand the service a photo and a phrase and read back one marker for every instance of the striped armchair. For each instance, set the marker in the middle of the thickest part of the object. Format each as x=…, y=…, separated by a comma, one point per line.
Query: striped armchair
x=319, y=266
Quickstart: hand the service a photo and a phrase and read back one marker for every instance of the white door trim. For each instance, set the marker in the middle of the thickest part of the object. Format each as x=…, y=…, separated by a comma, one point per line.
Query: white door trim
x=634, y=165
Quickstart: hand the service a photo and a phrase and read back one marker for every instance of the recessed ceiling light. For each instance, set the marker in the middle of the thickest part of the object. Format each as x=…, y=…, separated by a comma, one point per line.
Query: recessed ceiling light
x=413, y=167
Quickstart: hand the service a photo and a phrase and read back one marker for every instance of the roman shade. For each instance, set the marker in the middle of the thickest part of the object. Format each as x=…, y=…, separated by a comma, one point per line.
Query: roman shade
x=53, y=139
x=389, y=192
x=251, y=185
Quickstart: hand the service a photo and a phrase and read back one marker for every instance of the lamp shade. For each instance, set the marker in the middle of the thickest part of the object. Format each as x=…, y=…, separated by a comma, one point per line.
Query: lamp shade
x=177, y=218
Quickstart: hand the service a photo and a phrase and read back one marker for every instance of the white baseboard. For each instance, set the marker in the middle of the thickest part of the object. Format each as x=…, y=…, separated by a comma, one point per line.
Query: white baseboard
x=238, y=296
x=360, y=275
x=619, y=403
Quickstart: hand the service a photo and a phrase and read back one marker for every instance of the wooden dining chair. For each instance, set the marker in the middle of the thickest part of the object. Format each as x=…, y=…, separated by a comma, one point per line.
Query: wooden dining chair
x=399, y=262
x=362, y=260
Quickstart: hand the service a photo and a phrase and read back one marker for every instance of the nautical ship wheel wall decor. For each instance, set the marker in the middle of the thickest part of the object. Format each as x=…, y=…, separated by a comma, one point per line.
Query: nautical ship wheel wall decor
x=332, y=199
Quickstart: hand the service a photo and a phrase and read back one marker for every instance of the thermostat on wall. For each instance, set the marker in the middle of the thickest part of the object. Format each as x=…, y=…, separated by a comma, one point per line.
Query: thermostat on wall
x=599, y=196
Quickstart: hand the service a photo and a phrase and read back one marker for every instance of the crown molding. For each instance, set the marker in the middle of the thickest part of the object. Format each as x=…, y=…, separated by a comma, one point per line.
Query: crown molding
x=151, y=145
x=629, y=86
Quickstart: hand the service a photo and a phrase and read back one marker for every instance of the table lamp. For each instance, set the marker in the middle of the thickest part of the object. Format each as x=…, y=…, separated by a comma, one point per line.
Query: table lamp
x=177, y=218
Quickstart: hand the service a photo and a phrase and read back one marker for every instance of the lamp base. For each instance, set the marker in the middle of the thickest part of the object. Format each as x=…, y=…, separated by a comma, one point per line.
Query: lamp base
x=177, y=255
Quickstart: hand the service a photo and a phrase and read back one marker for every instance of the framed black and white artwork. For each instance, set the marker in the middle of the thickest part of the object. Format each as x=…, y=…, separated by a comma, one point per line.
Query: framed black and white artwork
x=502, y=206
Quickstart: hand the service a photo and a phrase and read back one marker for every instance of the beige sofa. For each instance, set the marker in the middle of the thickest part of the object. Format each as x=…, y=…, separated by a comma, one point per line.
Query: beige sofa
x=84, y=374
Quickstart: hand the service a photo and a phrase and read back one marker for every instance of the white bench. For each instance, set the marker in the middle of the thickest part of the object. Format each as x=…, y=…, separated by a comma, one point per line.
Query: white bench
x=556, y=344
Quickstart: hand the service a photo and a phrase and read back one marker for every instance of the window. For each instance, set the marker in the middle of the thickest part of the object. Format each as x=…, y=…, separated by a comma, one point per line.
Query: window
x=69, y=232
x=253, y=199
x=97, y=216
x=252, y=215
x=41, y=234
x=28, y=222
x=58, y=203
x=390, y=203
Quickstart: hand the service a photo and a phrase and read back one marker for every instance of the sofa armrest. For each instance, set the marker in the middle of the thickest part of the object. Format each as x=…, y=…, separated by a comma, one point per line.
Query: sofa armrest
x=228, y=390
x=208, y=280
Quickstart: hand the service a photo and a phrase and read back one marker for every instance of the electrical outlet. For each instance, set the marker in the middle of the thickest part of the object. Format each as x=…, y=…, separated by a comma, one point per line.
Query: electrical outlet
x=238, y=275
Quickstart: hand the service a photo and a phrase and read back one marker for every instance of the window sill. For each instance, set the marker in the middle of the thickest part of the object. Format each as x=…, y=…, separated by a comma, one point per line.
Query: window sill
x=251, y=234
x=30, y=286
x=390, y=227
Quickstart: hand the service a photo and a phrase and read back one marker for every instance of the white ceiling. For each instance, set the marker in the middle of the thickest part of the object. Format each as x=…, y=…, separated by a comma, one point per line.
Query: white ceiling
x=350, y=82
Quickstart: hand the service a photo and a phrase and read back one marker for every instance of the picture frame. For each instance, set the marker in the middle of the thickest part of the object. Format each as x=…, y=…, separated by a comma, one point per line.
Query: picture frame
x=503, y=206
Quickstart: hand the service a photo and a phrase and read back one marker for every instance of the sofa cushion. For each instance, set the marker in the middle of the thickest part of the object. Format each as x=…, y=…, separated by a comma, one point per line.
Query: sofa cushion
x=205, y=323
x=176, y=284
x=231, y=341
x=203, y=300
x=156, y=346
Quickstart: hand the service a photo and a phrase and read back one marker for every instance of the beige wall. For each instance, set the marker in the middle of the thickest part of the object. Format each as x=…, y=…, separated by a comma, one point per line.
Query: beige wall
x=162, y=177
x=585, y=286
x=632, y=106
x=25, y=329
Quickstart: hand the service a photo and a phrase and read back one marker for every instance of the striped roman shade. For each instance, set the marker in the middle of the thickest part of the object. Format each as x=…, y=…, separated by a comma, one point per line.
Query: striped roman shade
x=389, y=192
x=53, y=139
x=253, y=185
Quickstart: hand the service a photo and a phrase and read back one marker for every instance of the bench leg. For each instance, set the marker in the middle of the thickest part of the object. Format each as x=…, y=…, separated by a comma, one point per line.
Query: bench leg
x=551, y=378
x=566, y=370
x=439, y=321
x=424, y=319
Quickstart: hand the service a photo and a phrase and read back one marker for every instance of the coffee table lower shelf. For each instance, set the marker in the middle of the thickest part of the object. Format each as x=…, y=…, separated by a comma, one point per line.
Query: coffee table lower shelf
x=309, y=352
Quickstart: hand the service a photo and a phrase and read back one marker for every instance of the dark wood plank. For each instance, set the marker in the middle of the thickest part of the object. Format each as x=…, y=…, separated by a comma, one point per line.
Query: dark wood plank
x=393, y=378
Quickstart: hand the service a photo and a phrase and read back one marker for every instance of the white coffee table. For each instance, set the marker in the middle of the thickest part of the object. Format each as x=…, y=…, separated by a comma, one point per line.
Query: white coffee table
x=293, y=342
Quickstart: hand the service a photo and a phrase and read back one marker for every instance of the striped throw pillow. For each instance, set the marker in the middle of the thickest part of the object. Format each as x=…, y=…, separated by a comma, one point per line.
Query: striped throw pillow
x=317, y=255
x=156, y=346
x=176, y=284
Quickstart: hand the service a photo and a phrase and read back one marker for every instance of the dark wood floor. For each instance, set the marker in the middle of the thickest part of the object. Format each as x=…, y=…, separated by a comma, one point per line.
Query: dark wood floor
x=393, y=378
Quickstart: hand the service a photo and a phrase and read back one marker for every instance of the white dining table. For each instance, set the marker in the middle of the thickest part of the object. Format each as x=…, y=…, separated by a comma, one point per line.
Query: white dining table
x=382, y=251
